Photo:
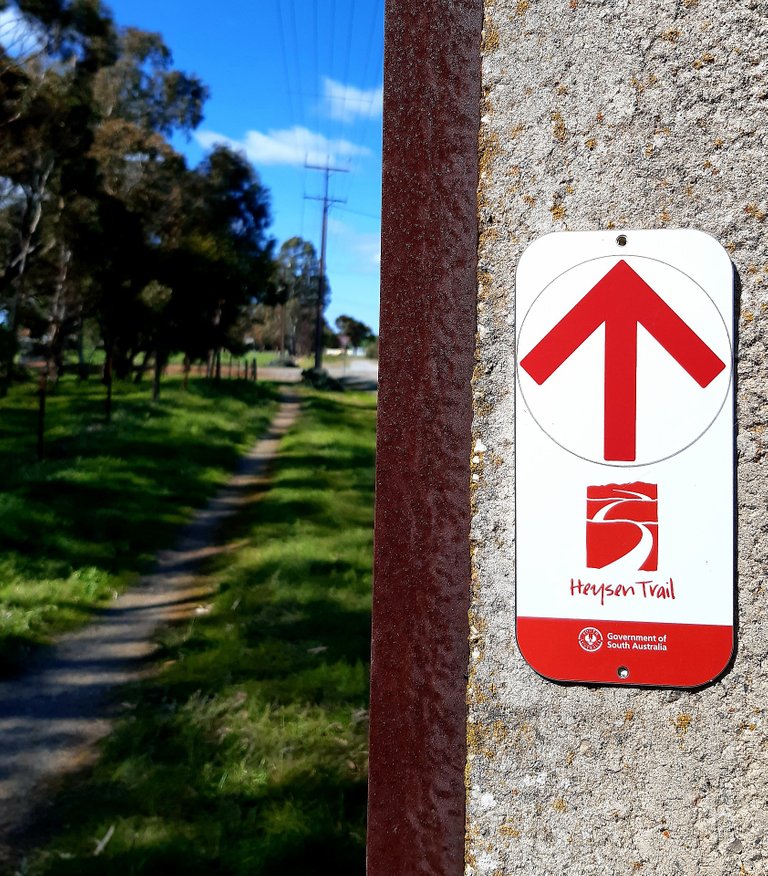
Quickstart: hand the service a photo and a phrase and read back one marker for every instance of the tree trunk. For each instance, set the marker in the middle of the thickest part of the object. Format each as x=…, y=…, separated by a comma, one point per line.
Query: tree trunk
x=216, y=322
x=122, y=362
x=159, y=363
x=14, y=273
x=142, y=368
x=41, y=397
x=108, y=384
x=187, y=366
x=57, y=318
x=82, y=367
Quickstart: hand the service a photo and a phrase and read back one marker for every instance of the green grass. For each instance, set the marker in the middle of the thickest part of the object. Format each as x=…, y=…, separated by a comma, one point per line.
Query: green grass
x=267, y=357
x=261, y=358
x=95, y=358
x=81, y=525
x=247, y=754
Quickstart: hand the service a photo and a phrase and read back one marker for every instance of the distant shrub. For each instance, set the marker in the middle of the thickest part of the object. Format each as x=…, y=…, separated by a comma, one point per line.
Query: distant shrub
x=372, y=349
x=319, y=378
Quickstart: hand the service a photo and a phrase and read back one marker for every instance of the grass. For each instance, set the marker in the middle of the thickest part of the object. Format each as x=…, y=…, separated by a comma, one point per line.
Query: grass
x=263, y=357
x=81, y=525
x=247, y=753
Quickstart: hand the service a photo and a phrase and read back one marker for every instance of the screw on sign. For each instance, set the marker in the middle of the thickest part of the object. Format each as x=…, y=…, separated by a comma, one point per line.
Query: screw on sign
x=625, y=363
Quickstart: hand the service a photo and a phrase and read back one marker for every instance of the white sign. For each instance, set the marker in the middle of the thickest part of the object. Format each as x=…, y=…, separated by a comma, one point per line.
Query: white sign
x=624, y=457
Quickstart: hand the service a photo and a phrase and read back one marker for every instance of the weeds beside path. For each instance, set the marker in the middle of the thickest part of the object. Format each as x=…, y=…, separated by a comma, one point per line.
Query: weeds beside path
x=52, y=715
x=79, y=527
x=247, y=753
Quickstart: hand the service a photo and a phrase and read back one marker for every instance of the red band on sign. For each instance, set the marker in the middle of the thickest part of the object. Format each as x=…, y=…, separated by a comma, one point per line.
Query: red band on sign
x=625, y=652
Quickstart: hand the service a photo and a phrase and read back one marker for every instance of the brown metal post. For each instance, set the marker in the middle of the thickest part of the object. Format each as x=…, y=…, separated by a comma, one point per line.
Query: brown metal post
x=422, y=561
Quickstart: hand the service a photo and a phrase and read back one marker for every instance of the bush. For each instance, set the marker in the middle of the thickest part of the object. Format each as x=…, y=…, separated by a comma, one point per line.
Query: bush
x=319, y=378
x=372, y=349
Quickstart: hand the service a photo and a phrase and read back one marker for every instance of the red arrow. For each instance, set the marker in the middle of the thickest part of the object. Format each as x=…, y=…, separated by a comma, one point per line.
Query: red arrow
x=622, y=300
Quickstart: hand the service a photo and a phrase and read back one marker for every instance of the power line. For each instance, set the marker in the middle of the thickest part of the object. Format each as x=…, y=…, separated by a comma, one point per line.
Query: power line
x=296, y=118
x=316, y=44
x=364, y=117
x=349, y=49
x=332, y=39
x=296, y=55
x=364, y=101
x=285, y=60
x=360, y=213
x=371, y=34
x=377, y=17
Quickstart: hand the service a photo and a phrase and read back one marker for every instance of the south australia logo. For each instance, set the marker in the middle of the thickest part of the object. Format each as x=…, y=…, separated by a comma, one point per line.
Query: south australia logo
x=591, y=639
x=623, y=525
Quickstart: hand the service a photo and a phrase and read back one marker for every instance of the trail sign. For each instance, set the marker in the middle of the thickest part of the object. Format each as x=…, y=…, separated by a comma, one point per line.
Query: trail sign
x=622, y=302
x=624, y=457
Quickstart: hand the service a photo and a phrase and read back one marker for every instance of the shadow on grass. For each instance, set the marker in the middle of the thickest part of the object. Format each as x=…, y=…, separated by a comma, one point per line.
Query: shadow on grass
x=82, y=524
x=252, y=762
x=247, y=754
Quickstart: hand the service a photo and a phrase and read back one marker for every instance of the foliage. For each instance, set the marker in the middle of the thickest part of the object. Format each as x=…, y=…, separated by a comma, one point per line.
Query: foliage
x=247, y=754
x=372, y=349
x=80, y=526
x=222, y=261
x=357, y=333
x=319, y=378
x=295, y=288
x=142, y=89
x=96, y=206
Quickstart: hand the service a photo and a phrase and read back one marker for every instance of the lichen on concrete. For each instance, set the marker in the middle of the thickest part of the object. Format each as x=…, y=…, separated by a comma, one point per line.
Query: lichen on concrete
x=639, y=115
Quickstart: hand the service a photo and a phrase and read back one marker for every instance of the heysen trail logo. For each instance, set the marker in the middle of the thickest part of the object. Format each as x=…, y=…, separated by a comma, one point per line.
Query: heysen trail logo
x=623, y=524
x=591, y=639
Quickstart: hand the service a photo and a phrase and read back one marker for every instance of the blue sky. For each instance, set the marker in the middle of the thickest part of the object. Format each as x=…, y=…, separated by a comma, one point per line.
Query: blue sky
x=292, y=81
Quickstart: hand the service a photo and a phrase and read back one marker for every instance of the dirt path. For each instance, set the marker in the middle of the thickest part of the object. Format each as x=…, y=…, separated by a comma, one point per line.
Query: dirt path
x=52, y=715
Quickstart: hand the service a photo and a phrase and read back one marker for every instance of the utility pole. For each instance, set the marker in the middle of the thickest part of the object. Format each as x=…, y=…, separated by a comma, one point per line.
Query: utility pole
x=327, y=202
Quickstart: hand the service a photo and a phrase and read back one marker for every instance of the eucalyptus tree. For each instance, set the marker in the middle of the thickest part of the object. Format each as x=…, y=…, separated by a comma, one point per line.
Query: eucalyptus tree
x=224, y=260
x=141, y=100
x=297, y=274
x=100, y=219
x=46, y=124
x=357, y=333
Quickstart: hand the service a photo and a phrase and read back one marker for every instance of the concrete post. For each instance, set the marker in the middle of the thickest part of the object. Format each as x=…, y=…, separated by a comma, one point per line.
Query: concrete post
x=600, y=114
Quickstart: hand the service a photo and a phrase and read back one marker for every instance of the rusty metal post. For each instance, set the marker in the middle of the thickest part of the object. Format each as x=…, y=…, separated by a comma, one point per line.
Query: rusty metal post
x=422, y=561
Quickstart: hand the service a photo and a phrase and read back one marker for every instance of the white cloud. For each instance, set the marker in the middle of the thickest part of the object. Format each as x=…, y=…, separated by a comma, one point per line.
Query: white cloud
x=369, y=247
x=18, y=35
x=364, y=247
x=347, y=103
x=290, y=146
